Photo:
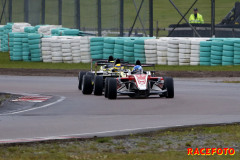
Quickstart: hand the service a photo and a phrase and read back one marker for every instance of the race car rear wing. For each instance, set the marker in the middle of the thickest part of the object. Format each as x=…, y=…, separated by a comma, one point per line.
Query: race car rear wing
x=143, y=65
x=102, y=62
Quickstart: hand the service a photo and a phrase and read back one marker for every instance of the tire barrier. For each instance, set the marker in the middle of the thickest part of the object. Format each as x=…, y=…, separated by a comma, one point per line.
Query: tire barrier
x=150, y=46
x=108, y=47
x=4, y=41
x=216, y=53
x=184, y=52
x=128, y=51
x=139, y=50
x=173, y=52
x=34, y=41
x=19, y=27
x=205, y=53
x=46, y=50
x=75, y=47
x=96, y=47
x=46, y=29
x=85, y=49
x=162, y=50
x=236, y=59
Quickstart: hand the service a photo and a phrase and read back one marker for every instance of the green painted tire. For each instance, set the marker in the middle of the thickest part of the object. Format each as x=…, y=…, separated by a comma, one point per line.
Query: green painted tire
x=36, y=51
x=109, y=40
x=205, y=49
x=228, y=53
x=118, y=46
x=205, y=63
x=216, y=57
x=205, y=54
x=228, y=48
x=118, y=51
x=227, y=63
x=227, y=59
x=205, y=44
x=216, y=53
x=205, y=59
x=128, y=49
x=34, y=41
x=107, y=51
x=96, y=48
x=216, y=61
x=128, y=54
x=217, y=48
x=39, y=59
x=96, y=52
x=99, y=56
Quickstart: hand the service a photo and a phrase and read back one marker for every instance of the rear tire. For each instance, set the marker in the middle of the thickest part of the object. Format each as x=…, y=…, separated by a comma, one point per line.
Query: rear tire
x=80, y=79
x=169, y=84
x=98, y=85
x=87, y=86
x=112, y=88
x=106, y=88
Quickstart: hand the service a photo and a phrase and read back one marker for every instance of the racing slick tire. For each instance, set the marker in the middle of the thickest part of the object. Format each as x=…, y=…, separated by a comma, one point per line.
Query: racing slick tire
x=91, y=74
x=112, y=88
x=98, y=85
x=80, y=79
x=87, y=86
x=106, y=88
x=168, y=83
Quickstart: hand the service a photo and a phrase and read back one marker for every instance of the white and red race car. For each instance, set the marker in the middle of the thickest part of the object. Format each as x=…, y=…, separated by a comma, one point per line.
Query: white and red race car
x=139, y=85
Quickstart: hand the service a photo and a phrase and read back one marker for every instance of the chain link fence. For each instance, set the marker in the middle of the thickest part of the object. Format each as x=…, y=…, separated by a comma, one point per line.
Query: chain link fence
x=100, y=17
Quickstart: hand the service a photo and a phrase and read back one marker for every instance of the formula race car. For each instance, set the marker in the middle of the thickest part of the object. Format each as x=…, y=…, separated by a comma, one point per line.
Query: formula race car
x=93, y=81
x=139, y=85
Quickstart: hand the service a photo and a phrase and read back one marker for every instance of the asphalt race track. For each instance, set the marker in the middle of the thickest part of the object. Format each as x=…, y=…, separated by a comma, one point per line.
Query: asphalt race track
x=72, y=114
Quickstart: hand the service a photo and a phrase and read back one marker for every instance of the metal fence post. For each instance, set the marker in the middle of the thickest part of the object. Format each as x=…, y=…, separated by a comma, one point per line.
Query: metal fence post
x=99, y=18
x=43, y=12
x=26, y=10
x=213, y=18
x=10, y=10
x=151, y=18
x=60, y=12
x=121, y=18
x=77, y=12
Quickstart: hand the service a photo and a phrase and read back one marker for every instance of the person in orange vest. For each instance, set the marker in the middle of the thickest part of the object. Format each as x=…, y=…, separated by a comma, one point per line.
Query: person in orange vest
x=196, y=18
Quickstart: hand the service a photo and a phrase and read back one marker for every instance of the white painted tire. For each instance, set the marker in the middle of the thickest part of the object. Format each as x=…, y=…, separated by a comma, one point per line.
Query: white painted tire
x=85, y=49
x=53, y=61
x=194, y=59
x=66, y=46
x=47, y=60
x=162, y=59
x=150, y=51
x=47, y=57
x=172, y=63
x=85, y=57
x=185, y=41
x=76, y=48
x=75, y=44
x=85, y=54
x=195, y=47
x=172, y=59
x=162, y=53
x=162, y=48
x=66, y=50
x=185, y=56
x=86, y=61
x=162, y=63
x=184, y=50
x=184, y=60
x=194, y=63
x=173, y=50
x=151, y=55
x=57, y=58
x=173, y=46
x=173, y=41
x=184, y=64
x=54, y=49
x=162, y=43
x=76, y=54
x=46, y=53
x=47, y=44
x=46, y=48
x=67, y=58
x=195, y=55
x=56, y=44
x=56, y=54
x=195, y=51
x=150, y=47
x=172, y=54
x=150, y=42
x=187, y=46
x=67, y=54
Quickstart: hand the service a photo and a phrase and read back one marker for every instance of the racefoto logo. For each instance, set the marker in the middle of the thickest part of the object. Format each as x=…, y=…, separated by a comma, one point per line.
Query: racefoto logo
x=210, y=151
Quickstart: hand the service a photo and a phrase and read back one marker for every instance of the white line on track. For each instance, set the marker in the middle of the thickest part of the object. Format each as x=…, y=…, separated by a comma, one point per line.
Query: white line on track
x=31, y=109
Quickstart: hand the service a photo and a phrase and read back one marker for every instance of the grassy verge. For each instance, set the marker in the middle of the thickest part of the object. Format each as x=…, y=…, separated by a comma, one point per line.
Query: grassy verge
x=6, y=63
x=168, y=144
x=231, y=81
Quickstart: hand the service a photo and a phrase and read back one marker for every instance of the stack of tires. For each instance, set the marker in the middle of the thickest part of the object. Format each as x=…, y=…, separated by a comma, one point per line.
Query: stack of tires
x=216, y=53
x=46, y=50
x=56, y=50
x=96, y=47
x=17, y=46
x=195, y=52
x=25, y=46
x=19, y=27
x=118, y=48
x=173, y=52
x=162, y=47
x=34, y=41
x=150, y=46
x=139, y=50
x=30, y=30
x=128, y=53
x=184, y=52
x=70, y=32
x=75, y=46
x=108, y=47
x=1, y=36
x=205, y=53
x=66, y=50
x=236, y=59
x=11, y=44
x=228, y=52
x=46, y=30
x=85, y=50
x=7, y=30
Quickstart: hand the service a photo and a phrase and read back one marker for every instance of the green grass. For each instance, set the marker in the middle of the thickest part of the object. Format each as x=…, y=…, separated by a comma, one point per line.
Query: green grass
x=147, y=146
x=6, y=63
x=231, y=81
